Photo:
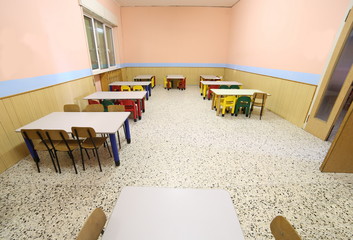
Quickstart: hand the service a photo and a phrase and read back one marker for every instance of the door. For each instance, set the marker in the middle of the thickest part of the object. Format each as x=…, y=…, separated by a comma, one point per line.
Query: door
x=335, y=86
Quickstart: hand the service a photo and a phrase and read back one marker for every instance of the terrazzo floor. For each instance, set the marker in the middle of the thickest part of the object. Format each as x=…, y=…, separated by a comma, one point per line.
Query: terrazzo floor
x=269, y=167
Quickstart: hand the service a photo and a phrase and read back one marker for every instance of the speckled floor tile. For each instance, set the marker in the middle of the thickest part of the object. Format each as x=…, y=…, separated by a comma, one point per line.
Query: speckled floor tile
x=269, y=167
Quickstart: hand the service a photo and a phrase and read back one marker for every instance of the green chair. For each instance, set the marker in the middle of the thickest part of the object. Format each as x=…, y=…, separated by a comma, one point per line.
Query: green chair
x=243, y=102
x=106, y=103
x=223, y=87
x=234, y=87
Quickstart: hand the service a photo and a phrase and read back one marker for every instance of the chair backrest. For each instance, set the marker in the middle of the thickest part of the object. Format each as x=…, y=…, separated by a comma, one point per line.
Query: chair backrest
x=259, y=98
x=234, y=87
x=116, y=108
x=282, y=230
x=243, y=100
x=93, y=226
x=83, y=132
x=223, y=87
x=125, y=88
x=115, y=88
x=55, y=135
x=71, y=108
x=127, y=102
x=33, y=134
x=91, y=101
x=229, y=99
x=137, y=88
x=94, y=108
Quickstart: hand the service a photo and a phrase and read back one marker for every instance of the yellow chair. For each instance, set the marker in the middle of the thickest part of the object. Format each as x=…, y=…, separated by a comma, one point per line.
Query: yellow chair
x=137, y=88
x=166, y=83
x=125, y=88
x=71, y=108
x=281, y=229
x=93, y=226
x=228, y=102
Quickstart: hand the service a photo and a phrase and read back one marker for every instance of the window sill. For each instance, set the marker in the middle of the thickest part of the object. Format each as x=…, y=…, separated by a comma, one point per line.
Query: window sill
x=100, y=71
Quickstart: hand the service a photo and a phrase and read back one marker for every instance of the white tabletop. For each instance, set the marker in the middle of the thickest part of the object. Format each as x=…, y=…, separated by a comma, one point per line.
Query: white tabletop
x=175, y=76
x=210, y=77
x=129, y=83
x=152, y=213
x=143, y=77
x=240, y=92
x=102, y=122
x=117, y=95
x=220, y=83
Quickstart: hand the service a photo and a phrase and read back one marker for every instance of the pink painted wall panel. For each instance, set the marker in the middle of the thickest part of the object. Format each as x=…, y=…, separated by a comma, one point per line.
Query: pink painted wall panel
x=175, y=34
x=41, y=37
x=287, y=35
x=114, y=8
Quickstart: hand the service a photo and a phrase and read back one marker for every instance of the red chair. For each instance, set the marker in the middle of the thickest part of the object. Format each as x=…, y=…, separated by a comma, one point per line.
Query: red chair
x=182, y=84
x=130, y=106
x=90, y=101
x=115, y=88
x=209, y=92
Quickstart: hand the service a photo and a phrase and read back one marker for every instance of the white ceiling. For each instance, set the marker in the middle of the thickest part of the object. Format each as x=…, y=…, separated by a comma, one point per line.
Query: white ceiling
x=179, y=3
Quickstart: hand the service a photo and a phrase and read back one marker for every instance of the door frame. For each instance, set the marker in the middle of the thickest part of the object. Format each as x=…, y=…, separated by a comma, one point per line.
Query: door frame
x=316, y=126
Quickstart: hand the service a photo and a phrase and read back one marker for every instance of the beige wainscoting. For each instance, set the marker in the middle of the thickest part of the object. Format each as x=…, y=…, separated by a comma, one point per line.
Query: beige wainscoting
x=289, y=99
x=21, y=109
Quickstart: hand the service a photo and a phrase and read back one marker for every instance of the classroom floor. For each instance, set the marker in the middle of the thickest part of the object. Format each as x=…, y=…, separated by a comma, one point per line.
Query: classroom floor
x=270, y=167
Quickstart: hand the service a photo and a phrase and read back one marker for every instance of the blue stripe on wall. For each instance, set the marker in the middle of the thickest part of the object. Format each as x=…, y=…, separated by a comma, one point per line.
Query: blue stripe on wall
x=12, y=87
x=309, y=78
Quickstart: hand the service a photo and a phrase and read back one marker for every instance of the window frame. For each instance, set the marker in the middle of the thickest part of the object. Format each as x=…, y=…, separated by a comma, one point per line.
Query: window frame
x=93, y=23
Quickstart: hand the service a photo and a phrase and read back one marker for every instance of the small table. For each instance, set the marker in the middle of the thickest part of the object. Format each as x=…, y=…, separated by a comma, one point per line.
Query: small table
x=153, y=213
x=145, y=85
x=138, y=96
x=205, y=84
x=102, y=122
x=209, y=78
x=231, y=92
x=171, y=78
x=150, y=78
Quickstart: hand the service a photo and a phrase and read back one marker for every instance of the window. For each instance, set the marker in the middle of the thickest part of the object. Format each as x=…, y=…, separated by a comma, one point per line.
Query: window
x=100, y=44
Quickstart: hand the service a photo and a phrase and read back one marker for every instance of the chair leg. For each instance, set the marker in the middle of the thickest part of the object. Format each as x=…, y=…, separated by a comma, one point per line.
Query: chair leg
x=119, y=139
x=83, y=162
x=73, y=161
x=52, y=160
x=99, y=162
x=108, y=151
x=37, y=164
x=262, y=108
x=57, y=161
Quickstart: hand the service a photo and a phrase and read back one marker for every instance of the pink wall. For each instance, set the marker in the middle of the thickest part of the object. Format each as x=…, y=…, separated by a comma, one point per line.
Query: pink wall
x=114, y=8
x=41, y=37
x=175, y=34
x=287, y=35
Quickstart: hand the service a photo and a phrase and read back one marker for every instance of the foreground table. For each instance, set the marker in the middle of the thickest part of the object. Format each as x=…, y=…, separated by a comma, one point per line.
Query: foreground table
x=152, y=213
x=102, y=122
x=138, y=96
x=230, y=92
x=150, y=78
x=145, y=85
x=205, y=84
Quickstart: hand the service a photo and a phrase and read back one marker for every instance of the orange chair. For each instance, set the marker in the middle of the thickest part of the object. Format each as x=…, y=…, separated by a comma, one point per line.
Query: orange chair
x=115, y=88
x=209, y=92
x=130, y=106
x=182, y=84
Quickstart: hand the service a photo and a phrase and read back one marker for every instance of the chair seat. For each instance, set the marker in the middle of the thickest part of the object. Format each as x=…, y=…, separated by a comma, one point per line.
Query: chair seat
x=61, y=146
x=41, y=146
x=98, y=141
